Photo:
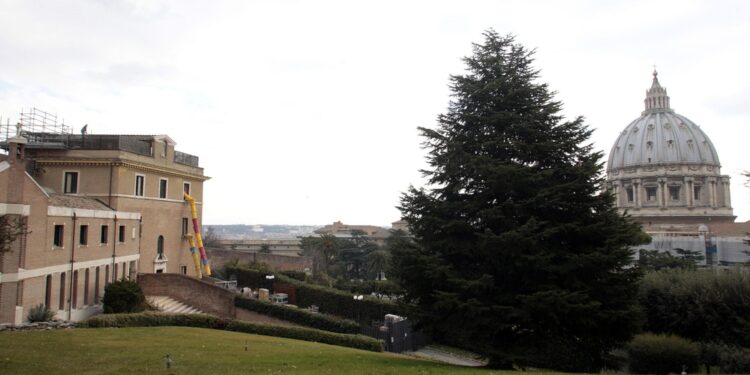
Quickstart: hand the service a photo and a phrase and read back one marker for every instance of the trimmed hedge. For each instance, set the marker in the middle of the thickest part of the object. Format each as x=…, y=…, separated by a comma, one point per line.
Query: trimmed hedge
x=152, y=319
x=340, y=303
x=308, y=334
x=329, y=300
x=297, y=275
x=662, y=354
x=250, y=277
x=299, y=316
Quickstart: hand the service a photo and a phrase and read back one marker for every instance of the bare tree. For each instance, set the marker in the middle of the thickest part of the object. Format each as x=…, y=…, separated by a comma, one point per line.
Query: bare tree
x=11, y=227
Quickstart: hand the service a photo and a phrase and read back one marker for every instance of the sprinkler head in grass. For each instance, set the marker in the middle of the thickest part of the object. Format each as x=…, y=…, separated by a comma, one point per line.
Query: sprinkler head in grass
x=168, y=361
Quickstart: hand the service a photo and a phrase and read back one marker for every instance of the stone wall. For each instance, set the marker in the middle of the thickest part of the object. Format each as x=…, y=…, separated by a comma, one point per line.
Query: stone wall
x=219, y=257
x=200, y=294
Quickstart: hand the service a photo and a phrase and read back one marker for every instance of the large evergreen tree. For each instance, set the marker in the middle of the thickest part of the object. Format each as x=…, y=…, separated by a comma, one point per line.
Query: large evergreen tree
x=518, y=251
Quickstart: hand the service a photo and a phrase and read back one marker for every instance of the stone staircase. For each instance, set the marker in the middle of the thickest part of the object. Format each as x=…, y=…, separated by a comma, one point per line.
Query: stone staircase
x=170, y=305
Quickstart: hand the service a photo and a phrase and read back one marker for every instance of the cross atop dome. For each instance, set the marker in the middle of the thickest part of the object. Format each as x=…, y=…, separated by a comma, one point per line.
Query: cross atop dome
x=656, y=97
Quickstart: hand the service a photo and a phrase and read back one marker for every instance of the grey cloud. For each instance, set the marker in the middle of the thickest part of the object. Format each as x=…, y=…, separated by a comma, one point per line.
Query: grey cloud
x=130, y=73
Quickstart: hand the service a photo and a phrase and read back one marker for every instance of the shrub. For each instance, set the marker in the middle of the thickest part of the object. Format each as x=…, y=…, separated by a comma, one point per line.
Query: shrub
x=662, y=354
x=709, y=356
x=298, y=316
x=40, y=313
x=701, y=305
x=734, y=360
x=297, y=275
x=151, y=319
x=308, y=334
x=340, y=303
x=252, y=278
x=384, y=287
x=123, y=296
x=329, y=300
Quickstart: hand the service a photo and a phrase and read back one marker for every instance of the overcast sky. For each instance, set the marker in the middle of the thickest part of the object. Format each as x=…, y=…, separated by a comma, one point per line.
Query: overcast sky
x=306, y=112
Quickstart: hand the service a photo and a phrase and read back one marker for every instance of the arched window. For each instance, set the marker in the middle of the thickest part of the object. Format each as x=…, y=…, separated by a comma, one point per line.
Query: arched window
x=48, y=292
x=160, y=247
x=86, y=287
x=96, y=285
x=74, y=296
x=62, y=291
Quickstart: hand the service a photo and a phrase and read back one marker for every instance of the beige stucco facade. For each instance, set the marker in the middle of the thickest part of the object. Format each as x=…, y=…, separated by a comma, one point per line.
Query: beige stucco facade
x=92, y=216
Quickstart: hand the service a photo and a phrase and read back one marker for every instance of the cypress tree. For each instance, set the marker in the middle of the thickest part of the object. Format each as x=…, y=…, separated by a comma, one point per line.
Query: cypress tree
x=518, y=251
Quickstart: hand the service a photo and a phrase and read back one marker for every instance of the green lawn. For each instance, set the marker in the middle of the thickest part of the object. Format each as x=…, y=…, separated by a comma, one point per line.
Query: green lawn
x=194, y=351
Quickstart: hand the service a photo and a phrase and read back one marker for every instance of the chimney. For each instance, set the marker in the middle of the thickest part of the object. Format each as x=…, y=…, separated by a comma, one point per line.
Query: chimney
x=17, y=161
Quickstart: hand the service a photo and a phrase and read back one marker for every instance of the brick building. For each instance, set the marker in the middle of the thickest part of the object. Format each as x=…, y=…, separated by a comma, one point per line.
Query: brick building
x=95, y=208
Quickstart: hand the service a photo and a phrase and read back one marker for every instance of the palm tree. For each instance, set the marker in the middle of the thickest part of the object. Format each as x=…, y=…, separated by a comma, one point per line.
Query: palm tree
x=377, y=262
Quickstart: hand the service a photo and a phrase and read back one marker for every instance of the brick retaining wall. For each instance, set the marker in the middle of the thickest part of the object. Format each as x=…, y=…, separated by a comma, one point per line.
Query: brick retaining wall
x=200, y=294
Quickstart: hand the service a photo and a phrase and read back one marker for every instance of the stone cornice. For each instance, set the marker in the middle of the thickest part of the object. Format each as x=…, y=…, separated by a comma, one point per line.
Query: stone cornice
x=122, y=163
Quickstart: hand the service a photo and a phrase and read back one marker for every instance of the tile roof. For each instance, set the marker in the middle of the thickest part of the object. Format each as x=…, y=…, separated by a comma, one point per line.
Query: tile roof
x=75, y=201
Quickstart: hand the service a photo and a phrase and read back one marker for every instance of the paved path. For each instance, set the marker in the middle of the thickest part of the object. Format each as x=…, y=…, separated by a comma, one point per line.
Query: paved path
x=442, y=356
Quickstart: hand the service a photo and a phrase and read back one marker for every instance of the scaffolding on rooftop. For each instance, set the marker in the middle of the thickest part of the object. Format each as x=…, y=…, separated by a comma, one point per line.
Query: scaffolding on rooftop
x=34, y=120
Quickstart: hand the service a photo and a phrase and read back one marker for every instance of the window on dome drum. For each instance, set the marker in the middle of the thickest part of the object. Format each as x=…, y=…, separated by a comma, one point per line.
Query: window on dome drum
x=697, y=193
x=629, y=190
x=186, y=187
x=121, y=234
x=674, y=193
x=651, y=194
x=70, y=183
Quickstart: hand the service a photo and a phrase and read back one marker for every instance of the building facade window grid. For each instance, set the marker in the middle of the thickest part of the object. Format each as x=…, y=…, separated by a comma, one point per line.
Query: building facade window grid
x=140, y=181
x=83, y=235
x=674, y=193
x=58, y=237
x=70, y=182
x=62, y=291
x=104, y=238
x=163, y=185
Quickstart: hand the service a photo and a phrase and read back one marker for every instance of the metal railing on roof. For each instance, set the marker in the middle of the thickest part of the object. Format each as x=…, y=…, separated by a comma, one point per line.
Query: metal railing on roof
x=136, y=144
x=186, y=159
